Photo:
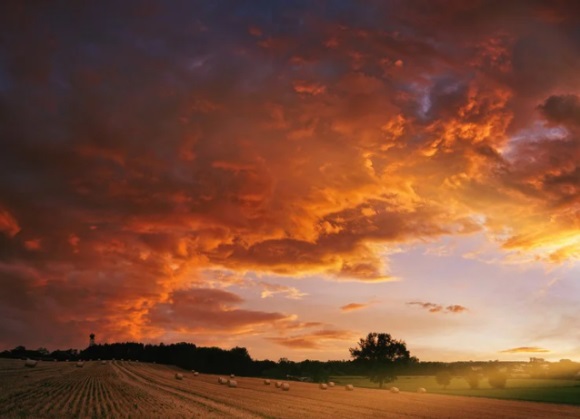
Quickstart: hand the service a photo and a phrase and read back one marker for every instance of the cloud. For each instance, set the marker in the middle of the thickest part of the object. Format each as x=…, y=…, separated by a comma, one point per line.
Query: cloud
x=455, y=309
x=201, y=309
x=438, y=308
x=314, y=340
x=268, y=290
x=8, y=223
x=293, y=143
x=525, y=349
x=354, y=306
x=563, y=109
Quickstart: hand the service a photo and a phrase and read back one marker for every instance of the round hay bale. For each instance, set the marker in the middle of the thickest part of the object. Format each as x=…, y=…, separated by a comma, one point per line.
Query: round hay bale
x=103, y=362
x=323, y=386
x=278, y=384
x=421, y=390
x=266, y=382
x=30, y=363
x=232, y=376
x=349, y=387
x=232, y=383
x=222, y=380
x=330, y=384
x=80, y=364
x=195, y=374
x=394, y=389
x=178, y=376
x=285, y=386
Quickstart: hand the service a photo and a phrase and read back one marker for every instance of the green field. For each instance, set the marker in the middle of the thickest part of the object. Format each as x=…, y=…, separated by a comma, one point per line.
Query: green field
x=539, y=390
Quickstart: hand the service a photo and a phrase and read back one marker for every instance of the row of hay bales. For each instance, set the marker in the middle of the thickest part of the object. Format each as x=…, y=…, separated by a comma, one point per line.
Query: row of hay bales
x=179, y=376
x=30, y=363
x=230, y=382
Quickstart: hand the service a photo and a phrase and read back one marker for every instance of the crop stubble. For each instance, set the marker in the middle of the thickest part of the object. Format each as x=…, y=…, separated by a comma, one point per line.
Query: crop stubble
x=126, y=389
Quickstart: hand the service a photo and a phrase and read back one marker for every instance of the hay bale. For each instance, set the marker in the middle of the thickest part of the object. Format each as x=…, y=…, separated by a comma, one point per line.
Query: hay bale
x=330, y=384
x=278, y=384
x=30, y=363
x=232, y=376
x=323, y=386
x=103, y=362
x=178, y=376
x=349, y=387
x=266, y=382
x=421, y=390
x=285, y=386
x=222, y=380
x=195, y=374
x=394, y=389
x=80, y=364
x=232, y=383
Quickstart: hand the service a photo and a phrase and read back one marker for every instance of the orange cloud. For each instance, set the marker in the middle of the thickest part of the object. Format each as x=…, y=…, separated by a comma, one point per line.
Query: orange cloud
x=525, y=349
x=199, y=309
x=353, y=306
x=34, y=244
x=309, y=88
x=330, y=142
x=314, y=340
x=8, y=223
x=438, y=308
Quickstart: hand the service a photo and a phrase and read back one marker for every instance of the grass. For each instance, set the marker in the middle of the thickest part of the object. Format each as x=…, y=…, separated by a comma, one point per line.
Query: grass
x=529, y=389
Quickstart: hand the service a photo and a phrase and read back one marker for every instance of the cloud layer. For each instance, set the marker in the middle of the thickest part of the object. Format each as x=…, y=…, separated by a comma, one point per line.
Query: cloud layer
x=143, y=144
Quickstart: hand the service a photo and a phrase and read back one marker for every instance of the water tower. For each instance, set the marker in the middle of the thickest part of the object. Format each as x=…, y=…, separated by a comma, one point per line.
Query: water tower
x=92, y=339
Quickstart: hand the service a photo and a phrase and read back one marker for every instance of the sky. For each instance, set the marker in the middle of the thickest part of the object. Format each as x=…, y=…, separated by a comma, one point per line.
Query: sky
x=289, y=176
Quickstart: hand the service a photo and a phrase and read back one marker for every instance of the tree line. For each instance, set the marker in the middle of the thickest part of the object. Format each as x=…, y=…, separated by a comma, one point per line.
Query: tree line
x=377, y=356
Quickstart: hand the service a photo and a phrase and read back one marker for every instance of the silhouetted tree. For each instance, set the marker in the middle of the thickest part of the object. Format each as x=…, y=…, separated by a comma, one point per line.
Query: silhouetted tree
x=472, y=377
x=497, y=379
x=382, y=355
x=443, y=378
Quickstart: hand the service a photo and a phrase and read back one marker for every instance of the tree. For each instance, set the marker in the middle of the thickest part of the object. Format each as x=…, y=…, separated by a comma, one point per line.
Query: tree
x=443, y=378
x=381, y=354
x=497, y=379
x=472, y=377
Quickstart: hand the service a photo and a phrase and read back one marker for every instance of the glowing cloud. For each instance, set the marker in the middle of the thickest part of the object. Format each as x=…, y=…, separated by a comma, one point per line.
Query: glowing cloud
x=438, y=308
x=525, y=349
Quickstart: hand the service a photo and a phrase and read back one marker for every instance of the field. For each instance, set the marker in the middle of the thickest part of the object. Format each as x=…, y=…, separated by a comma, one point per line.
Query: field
x=540, y=390
x=138, y=390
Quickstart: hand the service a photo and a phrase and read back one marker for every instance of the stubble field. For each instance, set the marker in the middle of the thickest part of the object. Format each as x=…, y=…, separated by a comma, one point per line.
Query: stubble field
x=137, y=390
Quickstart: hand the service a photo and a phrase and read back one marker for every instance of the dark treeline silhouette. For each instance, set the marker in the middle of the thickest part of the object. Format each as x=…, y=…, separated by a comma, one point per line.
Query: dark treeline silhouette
x=237, y=361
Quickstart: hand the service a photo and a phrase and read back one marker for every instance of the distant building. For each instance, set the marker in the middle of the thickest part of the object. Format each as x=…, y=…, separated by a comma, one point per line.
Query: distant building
x=92, y=339
x=537, y=360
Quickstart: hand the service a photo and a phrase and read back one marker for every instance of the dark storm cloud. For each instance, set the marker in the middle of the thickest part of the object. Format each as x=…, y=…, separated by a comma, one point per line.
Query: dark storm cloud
x=143, y=141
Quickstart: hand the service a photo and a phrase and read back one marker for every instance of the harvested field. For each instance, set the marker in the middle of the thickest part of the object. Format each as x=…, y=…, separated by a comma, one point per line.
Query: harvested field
x=140, y=390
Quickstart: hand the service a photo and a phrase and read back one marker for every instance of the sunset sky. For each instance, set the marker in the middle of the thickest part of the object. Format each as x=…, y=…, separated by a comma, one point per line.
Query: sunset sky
x=289, y=176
